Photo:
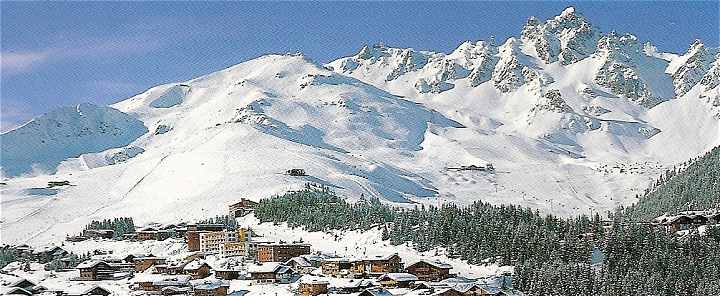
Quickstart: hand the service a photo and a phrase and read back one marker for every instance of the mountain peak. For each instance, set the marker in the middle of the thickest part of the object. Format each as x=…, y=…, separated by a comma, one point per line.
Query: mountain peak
x=569, y=11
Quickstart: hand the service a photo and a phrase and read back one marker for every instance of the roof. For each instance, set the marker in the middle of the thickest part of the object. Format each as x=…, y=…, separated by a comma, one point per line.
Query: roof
x=263, y=268
x=435, y=263
x=399, y=277
x=300, y=261
x=209, y=283
x=90, y=263
x=314, y=280
x=377, y=292
x=17, y=291
x=83, y=289
x=195, y=265
x=381, y=257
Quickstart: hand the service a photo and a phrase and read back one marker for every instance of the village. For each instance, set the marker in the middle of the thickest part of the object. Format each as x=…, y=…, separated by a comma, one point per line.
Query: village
x=223, y=259
x=219, y=260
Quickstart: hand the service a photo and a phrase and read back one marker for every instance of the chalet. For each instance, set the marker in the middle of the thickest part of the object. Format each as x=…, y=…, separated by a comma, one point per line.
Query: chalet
x=143, y=263
x=280, y=252
x=95, y=270
x=93, y=290
x=227, y=273
x=427, y=270
x=681, y=222
x=198, y=269
x=271, y=272
x=23, y=287
x=348, y=286
x=210, y=287
x=375, y=291
x=300, y=264
x=99, y=233
x=151, y=233
x=130, y=236
x=50, y=253
x=156, y=282
x=397, y=280
x=342, y=267
x=17, y=291
x=313, y=286
x=176, y=291
x=382, y=264
x=241, y=208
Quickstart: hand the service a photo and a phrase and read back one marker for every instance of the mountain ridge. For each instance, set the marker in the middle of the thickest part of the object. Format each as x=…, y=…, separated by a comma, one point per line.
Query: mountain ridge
x=390, y=123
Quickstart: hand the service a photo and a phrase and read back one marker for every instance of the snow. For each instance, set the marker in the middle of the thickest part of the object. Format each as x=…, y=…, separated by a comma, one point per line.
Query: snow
x=363, y=128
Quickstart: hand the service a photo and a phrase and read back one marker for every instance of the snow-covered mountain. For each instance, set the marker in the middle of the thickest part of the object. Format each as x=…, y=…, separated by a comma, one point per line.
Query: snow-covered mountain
x=573, y=120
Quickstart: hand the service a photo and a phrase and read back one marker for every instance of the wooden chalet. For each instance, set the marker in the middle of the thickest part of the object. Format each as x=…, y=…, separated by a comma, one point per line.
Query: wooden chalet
x=397, y=280
x=198, y=269
x=427, y=270
x=313, y=287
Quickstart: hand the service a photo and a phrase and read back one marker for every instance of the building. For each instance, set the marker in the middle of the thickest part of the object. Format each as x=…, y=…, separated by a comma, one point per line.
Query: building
x=210, y=287
x=375, y=291
x=313, y=286
x=198, y=269
x=93, y=290
x=397, y=280
x=99, y=233
x=227, y=273
x=241, y=208
x=49, y=253
x=382, y=264
x=143, y=263
x=342, y=267
x=151, y=233
x=280, y=252
x=432, y=271
x=211, y=242
x=271, y=272
x=24, y=287
x=193, y=234
x=683, y=221
x=300, y=264
x=95, y=270
x=233, y=249
x=157, y=282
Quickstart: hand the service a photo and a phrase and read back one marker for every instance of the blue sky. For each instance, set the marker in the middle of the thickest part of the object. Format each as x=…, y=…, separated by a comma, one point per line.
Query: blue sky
x=56, y=54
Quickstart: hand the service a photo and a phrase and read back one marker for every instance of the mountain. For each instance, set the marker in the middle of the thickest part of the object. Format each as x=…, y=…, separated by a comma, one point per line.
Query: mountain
x=573, y=120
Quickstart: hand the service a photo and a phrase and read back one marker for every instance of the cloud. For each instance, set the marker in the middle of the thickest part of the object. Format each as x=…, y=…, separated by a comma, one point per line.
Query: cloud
x=13, y=114
x=18, y=62
x=74, y=46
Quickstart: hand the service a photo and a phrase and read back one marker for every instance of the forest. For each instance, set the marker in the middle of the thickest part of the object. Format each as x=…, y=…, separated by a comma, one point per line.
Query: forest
x=552, y=255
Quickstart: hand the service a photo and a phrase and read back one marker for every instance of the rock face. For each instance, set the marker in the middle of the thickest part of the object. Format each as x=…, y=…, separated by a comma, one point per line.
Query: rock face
x=568, y=37
x=621, y=69
x=698, y=61
x=710, y=84
x=512, y=70
x=44, y=142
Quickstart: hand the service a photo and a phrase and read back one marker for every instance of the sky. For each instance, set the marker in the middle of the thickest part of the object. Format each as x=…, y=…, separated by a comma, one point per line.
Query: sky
x=57, y=54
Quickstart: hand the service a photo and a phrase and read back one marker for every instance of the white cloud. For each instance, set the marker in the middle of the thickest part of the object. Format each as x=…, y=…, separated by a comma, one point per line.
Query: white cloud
x=18, y=62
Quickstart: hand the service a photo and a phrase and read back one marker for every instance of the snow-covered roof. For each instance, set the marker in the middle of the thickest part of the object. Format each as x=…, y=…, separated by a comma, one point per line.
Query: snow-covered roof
x=209, y=283
x=264, y=267
x=83, y=289
x=399, y=277
x=380, y=257
x=90, y=263
x=195, y=264
x=300, y=261
x=377, y=291
x=314, y=280
x=435, y=263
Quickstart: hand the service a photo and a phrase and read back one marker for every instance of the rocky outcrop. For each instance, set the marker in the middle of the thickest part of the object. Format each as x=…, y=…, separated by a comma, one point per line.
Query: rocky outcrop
x=567, y=38
x=698, y=60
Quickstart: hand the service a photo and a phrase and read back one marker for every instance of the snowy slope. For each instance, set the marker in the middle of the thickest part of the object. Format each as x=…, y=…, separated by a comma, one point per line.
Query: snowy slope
x=573, y=121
